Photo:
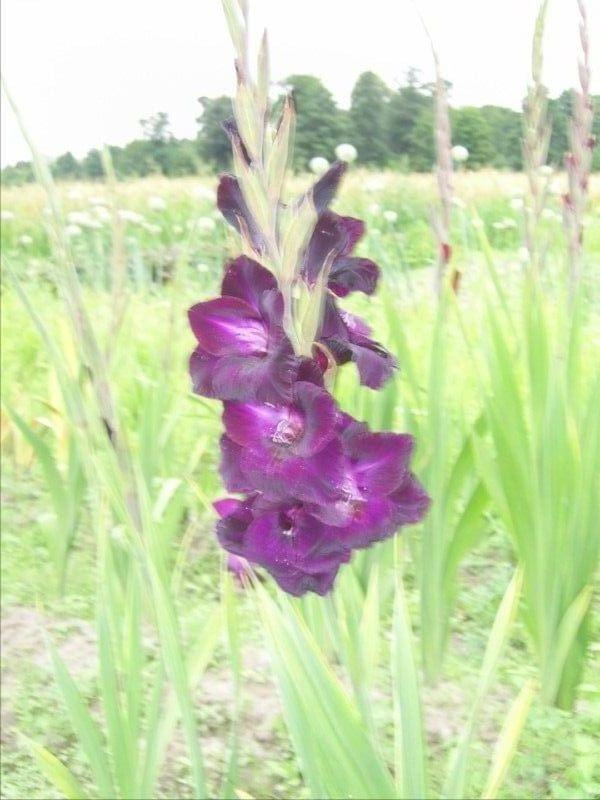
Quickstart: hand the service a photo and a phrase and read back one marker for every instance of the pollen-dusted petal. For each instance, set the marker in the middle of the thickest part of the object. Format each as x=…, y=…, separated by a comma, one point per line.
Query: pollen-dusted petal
x=255, y=424
x=247, y=280
x=351, y=274
x=228, y=326
x=379, y=460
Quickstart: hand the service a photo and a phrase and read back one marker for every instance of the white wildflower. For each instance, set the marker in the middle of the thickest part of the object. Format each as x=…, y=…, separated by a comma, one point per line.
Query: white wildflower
x=150, y=228
x=374, y=209
x=459, y=153
x=25, y=240
x=346, y=152
x=102, y=213
x=517, y=203
x=374, y=184
x=546, y=170
x=509, y=222
x=499, y=226
x=6, y=215
x=72, y=230
x=204, y=193
x=130, y=216
x=390, y=216
x=83, y=219
x=202, y=224
x=318, y=165
x=202, y=267
x=156, y=203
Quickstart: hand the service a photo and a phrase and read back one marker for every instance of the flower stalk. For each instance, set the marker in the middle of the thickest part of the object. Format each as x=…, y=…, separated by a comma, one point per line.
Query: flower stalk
x=315, y=484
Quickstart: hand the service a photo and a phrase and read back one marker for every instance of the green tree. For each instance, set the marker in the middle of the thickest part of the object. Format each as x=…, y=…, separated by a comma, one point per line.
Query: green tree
x=319, y=125
x=213, y=144
x=368, y=119
x=403, y=110
x=421, y=145
x=506, y=131
x=156, y=131
x=471, y=129
x=66, y=166
x=91, y=166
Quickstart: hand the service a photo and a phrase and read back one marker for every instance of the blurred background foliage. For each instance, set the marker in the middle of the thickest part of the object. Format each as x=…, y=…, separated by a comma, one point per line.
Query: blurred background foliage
x=389, y=127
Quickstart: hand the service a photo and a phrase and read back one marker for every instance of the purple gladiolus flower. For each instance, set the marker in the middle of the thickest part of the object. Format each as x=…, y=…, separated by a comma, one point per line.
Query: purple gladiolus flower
x=313, y=483
x=298, y=550
x=242, y=350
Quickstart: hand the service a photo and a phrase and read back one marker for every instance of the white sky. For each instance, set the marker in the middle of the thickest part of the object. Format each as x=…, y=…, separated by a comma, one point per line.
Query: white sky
x=85, y=71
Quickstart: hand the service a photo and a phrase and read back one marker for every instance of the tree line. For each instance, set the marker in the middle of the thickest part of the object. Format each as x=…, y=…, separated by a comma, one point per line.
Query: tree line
x=389, y=128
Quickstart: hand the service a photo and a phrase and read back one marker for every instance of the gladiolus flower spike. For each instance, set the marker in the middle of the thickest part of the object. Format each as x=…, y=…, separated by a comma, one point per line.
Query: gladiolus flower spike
x=313, y=483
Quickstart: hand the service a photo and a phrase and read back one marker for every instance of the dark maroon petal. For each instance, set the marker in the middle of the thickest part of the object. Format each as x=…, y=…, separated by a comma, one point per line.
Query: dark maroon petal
x=247, y=280
x=228, y=326
x=231, y=529
x=350, y=274
x=347, y=337
x=329, y=239
x=379, y=460
x=325, y=188
x=355, y=229
x=310, y=371
x=233, y=478
x=232, y=205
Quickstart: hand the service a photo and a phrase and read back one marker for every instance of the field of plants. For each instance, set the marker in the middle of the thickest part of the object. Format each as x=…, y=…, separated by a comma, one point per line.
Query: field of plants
x=304, y=572
x=137, y=662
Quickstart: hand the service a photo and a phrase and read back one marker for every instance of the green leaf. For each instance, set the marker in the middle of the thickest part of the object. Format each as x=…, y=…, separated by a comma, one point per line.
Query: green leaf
x=55, y=771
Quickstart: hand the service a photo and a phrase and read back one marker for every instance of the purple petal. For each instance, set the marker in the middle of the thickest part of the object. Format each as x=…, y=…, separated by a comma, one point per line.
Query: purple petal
x=239, y=568
x=247, y=280
x=288, y=539
x=329, y=239
x=412, y=501
x=233, y=477
x=325, y=188
x=301, y=428
x=228, y=326
x=227, y=506
x=379, y=460
x=265, y=378
x=232, y=205
x=353, y=275
x=316, y=479
x=354, y=229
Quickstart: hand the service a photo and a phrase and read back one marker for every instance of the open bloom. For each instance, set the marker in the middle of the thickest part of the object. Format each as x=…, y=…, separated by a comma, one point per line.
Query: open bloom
x=300, y=552
x=243, y=352
x=284, y=450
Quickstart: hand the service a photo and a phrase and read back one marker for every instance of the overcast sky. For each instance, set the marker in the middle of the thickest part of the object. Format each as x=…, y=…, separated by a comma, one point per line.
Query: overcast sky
x=85, y=71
